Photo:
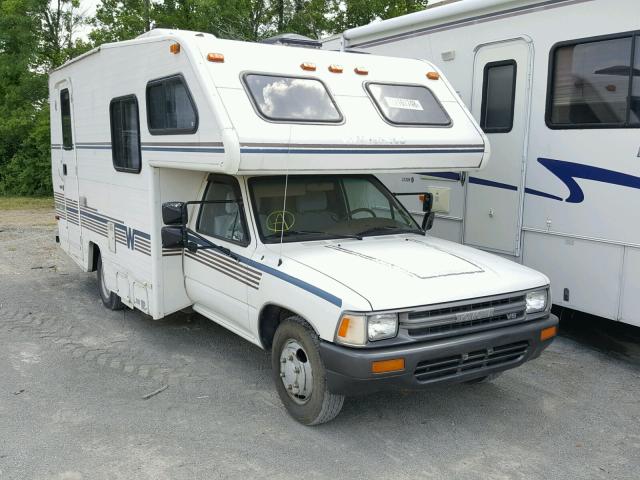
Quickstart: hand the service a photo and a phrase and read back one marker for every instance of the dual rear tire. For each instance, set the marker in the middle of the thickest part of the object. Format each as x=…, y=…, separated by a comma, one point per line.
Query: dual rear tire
x=109, y=299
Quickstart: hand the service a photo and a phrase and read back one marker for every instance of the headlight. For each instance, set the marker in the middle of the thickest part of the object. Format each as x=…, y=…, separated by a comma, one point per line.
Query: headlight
x=537, y=301
x=381, y=326
x=355, y=329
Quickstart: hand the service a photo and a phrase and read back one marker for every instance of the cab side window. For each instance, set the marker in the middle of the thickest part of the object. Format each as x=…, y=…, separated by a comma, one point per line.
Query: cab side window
x=224, y=217
x=65, y=113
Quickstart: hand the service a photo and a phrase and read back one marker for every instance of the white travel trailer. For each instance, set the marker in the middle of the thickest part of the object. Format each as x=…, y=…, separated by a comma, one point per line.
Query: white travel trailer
x=236, y=179
x=555, y=84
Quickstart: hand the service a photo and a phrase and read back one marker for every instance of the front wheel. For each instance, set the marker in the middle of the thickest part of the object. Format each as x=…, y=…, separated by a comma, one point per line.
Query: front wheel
x=109, y=299
x=300, y=376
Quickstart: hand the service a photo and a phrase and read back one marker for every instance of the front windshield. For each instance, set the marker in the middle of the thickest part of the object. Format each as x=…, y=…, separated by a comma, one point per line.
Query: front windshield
x=326, y=206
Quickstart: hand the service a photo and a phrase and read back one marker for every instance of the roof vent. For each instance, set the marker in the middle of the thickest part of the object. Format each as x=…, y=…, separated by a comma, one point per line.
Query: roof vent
x=292, y=40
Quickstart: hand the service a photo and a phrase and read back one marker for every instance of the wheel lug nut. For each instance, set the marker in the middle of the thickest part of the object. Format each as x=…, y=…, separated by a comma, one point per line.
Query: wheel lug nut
x=289, y=387
x=282, y=374
x=284, y=360
x=297, y=370
x=291, y=358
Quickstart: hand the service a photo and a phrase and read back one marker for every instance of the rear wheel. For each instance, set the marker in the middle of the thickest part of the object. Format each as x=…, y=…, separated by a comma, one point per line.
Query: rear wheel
x=300, y=376
x=109, y=299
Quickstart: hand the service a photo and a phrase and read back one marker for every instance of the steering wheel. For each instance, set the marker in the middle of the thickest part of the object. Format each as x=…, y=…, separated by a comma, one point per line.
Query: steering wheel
x=367, y=210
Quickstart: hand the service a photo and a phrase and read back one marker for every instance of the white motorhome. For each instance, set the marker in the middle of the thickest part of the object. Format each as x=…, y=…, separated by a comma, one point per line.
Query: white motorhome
x=237, y=179
x=555, y=85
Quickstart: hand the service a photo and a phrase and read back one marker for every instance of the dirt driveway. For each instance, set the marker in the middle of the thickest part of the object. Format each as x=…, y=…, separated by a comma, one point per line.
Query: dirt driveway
x=74, y=376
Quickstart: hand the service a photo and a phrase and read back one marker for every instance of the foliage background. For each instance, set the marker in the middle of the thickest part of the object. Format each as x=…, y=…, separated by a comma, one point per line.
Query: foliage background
x=39, y=35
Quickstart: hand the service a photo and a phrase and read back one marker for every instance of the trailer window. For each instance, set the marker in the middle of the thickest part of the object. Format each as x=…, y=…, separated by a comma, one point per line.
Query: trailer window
x=595, y=83
x=412, y=105
x=170, y=108
x=498, y=96
x=65, y=113
x=291, y=99
x=125, y=134
x=224, y=218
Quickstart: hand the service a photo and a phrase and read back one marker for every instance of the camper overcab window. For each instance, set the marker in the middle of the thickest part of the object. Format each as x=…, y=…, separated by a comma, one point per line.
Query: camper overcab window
x=408, y=104
x=286, y=99
x=257, y=205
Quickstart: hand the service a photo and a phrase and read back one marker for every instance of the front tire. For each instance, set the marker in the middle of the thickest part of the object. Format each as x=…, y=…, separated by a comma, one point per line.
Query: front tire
x=109, y=299
x=300, y=376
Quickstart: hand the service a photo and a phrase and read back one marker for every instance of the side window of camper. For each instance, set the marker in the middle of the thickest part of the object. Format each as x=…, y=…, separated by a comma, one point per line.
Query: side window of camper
x=170, y=107
x=65, y=114
x=125, y=134
x=224, y=217
x=498, y=96
x=594, y=83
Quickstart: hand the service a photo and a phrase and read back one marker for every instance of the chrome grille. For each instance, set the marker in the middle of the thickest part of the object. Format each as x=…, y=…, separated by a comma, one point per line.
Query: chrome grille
x=470, y=362
x=460, y=318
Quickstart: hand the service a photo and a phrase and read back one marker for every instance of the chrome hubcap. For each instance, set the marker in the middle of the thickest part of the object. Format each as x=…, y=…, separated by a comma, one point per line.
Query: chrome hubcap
x=295, y=372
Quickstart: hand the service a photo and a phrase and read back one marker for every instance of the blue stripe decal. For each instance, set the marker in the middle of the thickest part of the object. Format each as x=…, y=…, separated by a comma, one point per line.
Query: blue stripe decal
x=184, y=149
x=538, y=193
x=93, y=147
x=445, y=175
x=314, y=151
x=318, y=292
x=569, y=171
x=491, y=183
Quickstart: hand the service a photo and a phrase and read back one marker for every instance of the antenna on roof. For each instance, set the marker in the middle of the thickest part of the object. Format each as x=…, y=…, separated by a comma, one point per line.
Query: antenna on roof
x=292, y=40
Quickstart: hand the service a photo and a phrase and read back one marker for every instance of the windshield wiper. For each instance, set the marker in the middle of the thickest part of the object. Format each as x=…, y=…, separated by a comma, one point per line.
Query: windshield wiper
x=388, y=228
x=288, y=233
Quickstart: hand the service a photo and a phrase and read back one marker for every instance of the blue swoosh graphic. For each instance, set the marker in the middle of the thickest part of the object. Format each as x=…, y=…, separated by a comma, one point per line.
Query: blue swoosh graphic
x=569, y=171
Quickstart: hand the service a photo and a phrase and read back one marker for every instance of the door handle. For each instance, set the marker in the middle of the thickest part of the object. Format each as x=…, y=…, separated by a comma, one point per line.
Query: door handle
x=64, y=169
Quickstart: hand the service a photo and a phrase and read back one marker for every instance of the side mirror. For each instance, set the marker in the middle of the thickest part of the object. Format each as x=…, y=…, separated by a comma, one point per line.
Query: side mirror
x=427, y=221
x=173, y=237
x=427, y=202
x=174, y=213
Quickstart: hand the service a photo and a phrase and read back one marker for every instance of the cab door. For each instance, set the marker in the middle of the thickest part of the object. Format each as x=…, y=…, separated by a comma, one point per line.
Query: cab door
x=70, y=233
x=218, y=282
x=500, y=103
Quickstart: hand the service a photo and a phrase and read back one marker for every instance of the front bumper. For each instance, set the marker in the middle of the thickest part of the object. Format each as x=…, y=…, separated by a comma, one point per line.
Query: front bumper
x=449, y=360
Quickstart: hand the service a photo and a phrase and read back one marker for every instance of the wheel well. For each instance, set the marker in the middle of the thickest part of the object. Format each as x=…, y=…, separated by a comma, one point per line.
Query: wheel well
x=94, y=254
x=270, y=318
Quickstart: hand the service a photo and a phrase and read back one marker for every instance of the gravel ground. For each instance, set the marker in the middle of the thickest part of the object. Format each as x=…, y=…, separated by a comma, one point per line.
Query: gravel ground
x=73, y=376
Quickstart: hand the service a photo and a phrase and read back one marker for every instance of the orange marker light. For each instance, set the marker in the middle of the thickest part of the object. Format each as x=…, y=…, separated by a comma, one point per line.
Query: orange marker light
x=548, y=333
x=174, y=48
x=311, y=67
x=215, y=57
x=433, y=75
x=335, y=68
x=361, y=71
x=383, y=366
x=344, y=327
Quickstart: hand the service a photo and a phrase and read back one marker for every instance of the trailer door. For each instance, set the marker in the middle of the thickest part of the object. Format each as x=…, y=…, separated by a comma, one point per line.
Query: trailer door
x=500, y=103
x=70, y=234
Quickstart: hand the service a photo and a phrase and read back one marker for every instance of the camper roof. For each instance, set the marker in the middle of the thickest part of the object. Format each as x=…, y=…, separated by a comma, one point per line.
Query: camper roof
x=305, y=110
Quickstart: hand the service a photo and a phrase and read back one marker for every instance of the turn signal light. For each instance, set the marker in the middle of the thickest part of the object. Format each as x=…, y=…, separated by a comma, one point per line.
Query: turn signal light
x=433, y=75
x=215, y=57
x=548, y=333
x=308, y=66
x=383, y=366
x=174, y=48
x=361, y=71
x=335, y=68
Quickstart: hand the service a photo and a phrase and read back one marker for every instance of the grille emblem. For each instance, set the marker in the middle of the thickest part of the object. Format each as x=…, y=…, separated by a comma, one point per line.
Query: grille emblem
x=475, y=315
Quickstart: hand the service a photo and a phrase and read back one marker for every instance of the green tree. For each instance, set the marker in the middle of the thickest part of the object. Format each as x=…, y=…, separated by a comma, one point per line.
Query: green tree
x=354, y=13
x=35, y=36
